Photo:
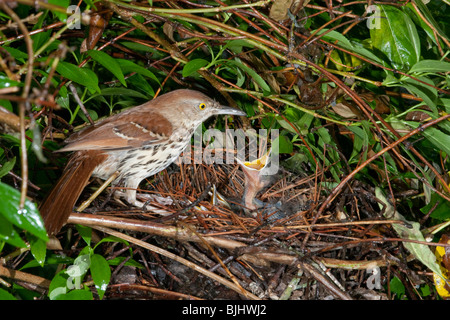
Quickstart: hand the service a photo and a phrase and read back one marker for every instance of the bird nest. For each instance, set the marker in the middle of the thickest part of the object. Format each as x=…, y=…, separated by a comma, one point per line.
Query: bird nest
x=263, y=250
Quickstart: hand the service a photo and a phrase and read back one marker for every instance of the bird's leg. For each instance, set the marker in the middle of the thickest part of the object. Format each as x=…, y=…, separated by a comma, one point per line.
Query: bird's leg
x=131, y=195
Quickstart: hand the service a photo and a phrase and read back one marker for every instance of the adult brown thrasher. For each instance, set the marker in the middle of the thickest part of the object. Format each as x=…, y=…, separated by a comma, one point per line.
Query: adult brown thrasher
x=136, y=143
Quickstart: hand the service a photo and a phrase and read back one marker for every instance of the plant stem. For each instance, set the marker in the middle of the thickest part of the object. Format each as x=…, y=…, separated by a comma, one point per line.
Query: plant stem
x=200, y=10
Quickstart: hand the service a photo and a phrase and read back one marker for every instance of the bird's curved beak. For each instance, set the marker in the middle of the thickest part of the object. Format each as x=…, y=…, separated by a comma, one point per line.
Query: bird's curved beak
x=220, y=109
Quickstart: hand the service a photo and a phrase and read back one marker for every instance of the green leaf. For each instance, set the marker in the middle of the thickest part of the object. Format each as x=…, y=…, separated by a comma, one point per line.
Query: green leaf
x=58, y=285
x=430, y=66
x=122, y=92
x=252, y=73
x=17, y=54
x=128, y=66
x=6, y=82
x=7, y=167
x=130, y=262
x=284, y=144
x=5, y=295
x=344, y=43
x=81, y=294
x=440, y=206
x=81, y=263
x=85, y=233
x=425, y=14
x=62, y=288
x=40, y=38
x=9, y=235
x=396, y=37
x=236, y=45
x=139, y=82
x=27, y=219
x=111, y=239
x=193, y=66
x=397, y=287
x=51, y=259
x=426, y=92
x=411, y=231
x=61, y=3
x=101, y=273
x=109, y=63
x=38, y=249
x=305, y=122
x=361, y=140
x=438, y=138
x=83, y=76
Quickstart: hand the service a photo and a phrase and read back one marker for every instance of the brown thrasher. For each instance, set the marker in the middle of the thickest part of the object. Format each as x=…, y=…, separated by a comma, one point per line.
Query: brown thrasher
x=136, y=143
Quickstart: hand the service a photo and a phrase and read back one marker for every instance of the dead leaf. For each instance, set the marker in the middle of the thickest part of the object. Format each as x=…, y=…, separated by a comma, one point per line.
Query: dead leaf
x=279, y=10
x=97, y=24
x=345, y=110
x=381, y=102
x=168, y=31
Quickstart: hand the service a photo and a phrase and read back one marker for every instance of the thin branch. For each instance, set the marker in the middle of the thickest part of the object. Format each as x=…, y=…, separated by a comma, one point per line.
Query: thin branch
x=24, y=103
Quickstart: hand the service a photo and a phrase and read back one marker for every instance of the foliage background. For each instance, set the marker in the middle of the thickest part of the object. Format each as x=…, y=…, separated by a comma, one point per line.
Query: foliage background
x=361, y=102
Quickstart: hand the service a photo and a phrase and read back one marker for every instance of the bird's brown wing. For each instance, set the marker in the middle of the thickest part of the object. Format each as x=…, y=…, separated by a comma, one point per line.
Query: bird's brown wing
x=122, y=131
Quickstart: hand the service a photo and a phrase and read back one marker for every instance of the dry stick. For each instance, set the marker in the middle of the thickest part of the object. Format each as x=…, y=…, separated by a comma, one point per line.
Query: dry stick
x=174, y=257
x=181, y=234
x=430, y=26
x=80, y=103
x=319, y=276
x=198, y=10
x=233, y=278
x=20, y=36
x=308, y=266
x=151, y=228
x=122, y=289
x=86, y=203
x=254, y=25
x=23, y=276
x=22, y=104
x=309, y=40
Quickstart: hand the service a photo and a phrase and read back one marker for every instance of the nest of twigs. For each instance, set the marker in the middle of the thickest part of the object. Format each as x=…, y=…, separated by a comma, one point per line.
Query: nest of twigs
x=264, y=256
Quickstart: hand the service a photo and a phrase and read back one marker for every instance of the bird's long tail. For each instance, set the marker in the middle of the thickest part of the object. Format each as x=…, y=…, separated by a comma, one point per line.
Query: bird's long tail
x=58, y=205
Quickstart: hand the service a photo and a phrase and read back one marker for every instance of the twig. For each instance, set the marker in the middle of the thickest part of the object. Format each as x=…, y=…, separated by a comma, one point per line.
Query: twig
x=180, y=234
x=80, y=103
x=23, y=276
x=199, y=10
x=86, y=203
x=180, y=260
x=23, y=104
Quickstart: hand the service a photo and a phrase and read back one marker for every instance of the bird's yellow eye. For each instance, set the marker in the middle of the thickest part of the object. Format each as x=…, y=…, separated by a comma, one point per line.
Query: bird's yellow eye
x=202, y=106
